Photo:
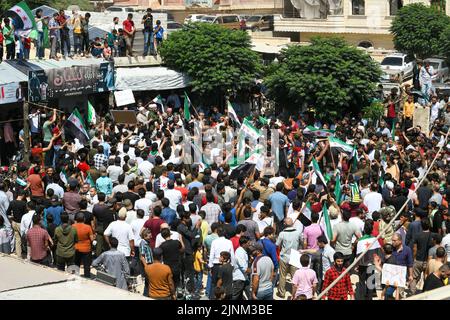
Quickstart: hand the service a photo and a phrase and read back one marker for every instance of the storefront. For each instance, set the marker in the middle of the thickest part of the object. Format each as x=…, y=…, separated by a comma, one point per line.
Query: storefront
x=66, y=84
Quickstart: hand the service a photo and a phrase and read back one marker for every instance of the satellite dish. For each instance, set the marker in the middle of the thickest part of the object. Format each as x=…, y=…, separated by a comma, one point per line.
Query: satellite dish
x=73, y=269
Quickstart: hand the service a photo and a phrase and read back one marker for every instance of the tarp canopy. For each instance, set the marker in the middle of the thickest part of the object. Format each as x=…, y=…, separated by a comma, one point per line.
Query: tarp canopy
x=10, y=75
x=150, y=78
x=29, y=65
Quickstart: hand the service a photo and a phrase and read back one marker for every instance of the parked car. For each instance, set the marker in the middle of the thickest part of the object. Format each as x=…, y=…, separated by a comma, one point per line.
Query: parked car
x=397, y=65
x=120, y=9
x=193, y=18
x=259, y=22
x=173, y=26
x=441, y=70
x=229, y=21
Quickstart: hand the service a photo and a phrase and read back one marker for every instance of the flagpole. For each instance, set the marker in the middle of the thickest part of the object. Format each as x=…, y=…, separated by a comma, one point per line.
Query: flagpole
x=332, y=157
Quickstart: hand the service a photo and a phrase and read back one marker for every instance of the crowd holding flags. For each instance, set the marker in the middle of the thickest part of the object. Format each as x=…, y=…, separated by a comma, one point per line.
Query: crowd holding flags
x=22, y=20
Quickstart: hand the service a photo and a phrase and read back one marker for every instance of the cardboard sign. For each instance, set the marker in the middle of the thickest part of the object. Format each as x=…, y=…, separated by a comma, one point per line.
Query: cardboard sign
x=393, y=274
x=124, y=116
x=422, y=118
x=124, y=97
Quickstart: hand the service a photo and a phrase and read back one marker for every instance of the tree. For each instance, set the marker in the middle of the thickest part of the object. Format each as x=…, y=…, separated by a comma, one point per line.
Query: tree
x=445, y=42
x=329, y=75
x=417, y=30
x=216, y=59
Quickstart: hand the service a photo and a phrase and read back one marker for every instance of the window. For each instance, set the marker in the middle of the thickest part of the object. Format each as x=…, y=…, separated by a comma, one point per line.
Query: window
x=438, y=4
x=114, y=9
x=358, y=7
x=392, y=61
x=230, y=19
x=394, y=6
x=444, y=64
x=129, y=9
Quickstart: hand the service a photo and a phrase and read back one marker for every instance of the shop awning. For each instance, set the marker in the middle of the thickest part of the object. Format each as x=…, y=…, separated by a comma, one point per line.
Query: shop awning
x=10, y=80
x=9, y=74
x=150, y=78
x=48, y=79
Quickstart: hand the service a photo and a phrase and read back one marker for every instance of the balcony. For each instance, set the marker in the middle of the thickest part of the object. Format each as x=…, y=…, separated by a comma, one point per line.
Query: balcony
x=334, y=24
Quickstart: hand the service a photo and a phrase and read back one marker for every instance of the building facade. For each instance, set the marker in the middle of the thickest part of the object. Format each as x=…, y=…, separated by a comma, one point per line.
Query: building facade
x=363, y=23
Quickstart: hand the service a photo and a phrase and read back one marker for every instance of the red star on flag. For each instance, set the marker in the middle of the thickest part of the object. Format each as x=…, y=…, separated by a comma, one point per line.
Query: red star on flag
x=24, y=18
x=18, y=10
x=368, y=244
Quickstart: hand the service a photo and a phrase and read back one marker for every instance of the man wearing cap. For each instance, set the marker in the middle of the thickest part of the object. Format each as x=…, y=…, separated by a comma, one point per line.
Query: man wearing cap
x=123, y=232
x=104, y=183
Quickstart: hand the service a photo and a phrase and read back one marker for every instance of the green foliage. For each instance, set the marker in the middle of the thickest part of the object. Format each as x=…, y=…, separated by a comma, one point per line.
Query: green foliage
x=85, y=5
x=445, y=42
x=374, y=111
x=329, y=75
x=216, y=59
x=417, y=30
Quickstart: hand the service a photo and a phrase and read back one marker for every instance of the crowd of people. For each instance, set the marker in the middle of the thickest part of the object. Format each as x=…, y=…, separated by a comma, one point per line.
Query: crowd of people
x=133, y=200
x=54, y=32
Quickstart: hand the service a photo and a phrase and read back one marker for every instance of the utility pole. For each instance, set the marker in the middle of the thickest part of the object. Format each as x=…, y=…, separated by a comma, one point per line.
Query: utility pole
x=26, y=130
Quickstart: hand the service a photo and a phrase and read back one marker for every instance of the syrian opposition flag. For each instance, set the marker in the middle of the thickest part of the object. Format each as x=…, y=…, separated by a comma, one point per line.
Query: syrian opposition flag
x=242, y=170
x=21, y=16
x=328, y=230
x=338, y=190
x=249, y=130
x=367, y=242
x=310, y=130
x=63, y=176
x=232, y=114
x=317, y=171
x=92, y=117
x=187, y=104
x=341, y=146
x=75, y=125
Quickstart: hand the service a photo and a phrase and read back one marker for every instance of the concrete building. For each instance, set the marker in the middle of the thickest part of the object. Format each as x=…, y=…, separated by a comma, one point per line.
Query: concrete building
x=363, y=23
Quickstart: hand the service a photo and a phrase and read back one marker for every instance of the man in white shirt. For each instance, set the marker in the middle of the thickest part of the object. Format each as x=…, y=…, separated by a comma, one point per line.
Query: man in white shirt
x=123, y=232
x=136, y=227
x=175, y=197
x=358, y=221
x=145, y=167
x=58, y=190
x=27, y=219
x=446, y=244
x=373, y=200
x=143, y=203
x=217, y=246
x=115, y=170
x=173, y=235
x=241, y=270
x=121, y=187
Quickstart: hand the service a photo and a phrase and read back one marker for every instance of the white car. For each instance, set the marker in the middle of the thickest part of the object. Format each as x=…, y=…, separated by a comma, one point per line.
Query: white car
x=120, y=9
x=193, y=18
x=440, y=68
x=397, y=65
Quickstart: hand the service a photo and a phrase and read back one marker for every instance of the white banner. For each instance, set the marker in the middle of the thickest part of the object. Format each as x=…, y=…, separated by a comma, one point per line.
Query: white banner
x=124, y=97
x=10, y=93
x=393, y=274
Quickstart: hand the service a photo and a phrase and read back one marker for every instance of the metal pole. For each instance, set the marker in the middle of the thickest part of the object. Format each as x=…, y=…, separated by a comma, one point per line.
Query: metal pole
x=26, y=131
